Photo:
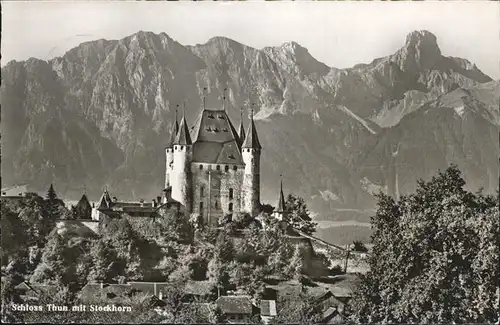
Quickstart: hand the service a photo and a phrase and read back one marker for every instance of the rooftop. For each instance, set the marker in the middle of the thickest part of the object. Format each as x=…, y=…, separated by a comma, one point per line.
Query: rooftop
x=216, y=139
x=268, y=308
x=235, y=304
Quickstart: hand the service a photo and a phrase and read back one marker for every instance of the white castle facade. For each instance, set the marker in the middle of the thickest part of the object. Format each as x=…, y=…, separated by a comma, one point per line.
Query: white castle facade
x=211, y=169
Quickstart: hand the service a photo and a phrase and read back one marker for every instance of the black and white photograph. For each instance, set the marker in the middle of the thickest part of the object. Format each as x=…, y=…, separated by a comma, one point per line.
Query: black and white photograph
x=250, y=162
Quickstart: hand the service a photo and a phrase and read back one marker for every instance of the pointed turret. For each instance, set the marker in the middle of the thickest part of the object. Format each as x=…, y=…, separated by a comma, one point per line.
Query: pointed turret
x=180, y=178
x=251, y=178
x=105, y=201
x=183, y=137
x=175, y=131
x=241, y=131
x=169, y=151
x=83, y=208
x=251, y=138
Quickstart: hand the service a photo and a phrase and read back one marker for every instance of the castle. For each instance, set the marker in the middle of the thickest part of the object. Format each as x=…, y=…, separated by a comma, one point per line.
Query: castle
x=211, y=170
x=214, y=170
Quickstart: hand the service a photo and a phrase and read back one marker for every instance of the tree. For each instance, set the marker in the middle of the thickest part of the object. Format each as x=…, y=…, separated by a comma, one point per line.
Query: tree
x=358, y=246
x=435, y=257
x=14, y=236
x=102, y=258
x=296, y=267
x=224, y=248
x=267, y=208
x=52, y=204
x=9, y=296
x=297, y=215
x=51, y=194
x=297, y=307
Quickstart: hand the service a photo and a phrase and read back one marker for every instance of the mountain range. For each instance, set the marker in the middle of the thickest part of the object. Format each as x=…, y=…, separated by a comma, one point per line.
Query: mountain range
x=101, y=115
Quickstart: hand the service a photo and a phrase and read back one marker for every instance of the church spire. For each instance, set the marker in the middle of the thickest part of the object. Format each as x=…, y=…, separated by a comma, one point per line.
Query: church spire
x=281, y=201
x=252, y=139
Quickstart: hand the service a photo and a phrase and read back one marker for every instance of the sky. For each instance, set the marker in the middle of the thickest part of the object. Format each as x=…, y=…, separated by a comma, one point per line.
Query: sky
x=340, y=34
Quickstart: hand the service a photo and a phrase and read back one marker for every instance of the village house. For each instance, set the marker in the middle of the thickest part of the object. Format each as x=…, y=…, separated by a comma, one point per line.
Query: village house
x=236, y=308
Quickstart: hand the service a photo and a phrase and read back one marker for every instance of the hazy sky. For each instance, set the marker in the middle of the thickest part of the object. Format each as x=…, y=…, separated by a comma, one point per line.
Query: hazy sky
x=339, y=34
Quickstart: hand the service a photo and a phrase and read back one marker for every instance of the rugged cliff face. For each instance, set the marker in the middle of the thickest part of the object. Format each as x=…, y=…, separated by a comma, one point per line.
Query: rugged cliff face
x=101, y=115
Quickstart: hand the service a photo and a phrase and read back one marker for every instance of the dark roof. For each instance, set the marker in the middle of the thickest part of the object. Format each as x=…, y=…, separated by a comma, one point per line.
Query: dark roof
x=235, y=304
x=252, y=139
x=105, y=201
x=281, y=200
x=44, y=289
x=241, y=132
x=199, y=288
x=83, y=203
x=268, y=308
x=330, y=314
x=23, y=286
x=174, y=132
x=216, y=140
x=183, y=137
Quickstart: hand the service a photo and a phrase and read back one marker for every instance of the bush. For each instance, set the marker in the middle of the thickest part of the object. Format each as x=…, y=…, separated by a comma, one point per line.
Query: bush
x=359, y=247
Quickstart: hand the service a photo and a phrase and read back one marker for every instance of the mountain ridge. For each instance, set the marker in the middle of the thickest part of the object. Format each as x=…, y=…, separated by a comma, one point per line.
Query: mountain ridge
x=331, y=123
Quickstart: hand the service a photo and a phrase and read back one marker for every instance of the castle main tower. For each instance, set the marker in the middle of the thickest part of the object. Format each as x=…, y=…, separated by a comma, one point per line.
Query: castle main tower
x=180, y=178
x=251, y=179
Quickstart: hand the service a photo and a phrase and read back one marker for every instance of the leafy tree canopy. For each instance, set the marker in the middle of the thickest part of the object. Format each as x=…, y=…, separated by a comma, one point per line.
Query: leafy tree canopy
x=298, y=216
x=435, y=257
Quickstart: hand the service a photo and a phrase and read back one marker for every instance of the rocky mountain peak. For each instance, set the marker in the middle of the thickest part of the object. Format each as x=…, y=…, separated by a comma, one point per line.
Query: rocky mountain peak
x=422, y=39
x=293, y=47
x=420, y=51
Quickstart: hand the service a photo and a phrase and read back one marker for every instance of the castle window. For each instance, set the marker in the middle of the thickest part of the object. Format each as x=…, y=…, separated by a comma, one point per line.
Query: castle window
x=201, y=208
x=211, y=116
x=231, y=156
x=201, y=167
x=182, y=147
x=202, y=191
x=235, y=167
x=216, y=130
x=231, y=206
x=209, y=129
x=216, y=205
x=218, y=167
x=226, y=168
x=231, y=193
x=221, y=117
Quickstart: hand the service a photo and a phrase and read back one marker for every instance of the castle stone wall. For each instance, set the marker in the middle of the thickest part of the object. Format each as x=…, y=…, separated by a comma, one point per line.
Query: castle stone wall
x=216, y=200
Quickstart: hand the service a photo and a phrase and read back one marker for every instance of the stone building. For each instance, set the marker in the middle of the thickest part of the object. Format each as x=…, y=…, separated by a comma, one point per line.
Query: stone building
x=211, y=169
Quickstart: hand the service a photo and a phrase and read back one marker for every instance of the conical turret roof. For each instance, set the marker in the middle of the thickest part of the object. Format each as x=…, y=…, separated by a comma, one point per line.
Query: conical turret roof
x=175, y=130
x=104, y=201
x=241, y=131
x=183, y=136
x=251, y=138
